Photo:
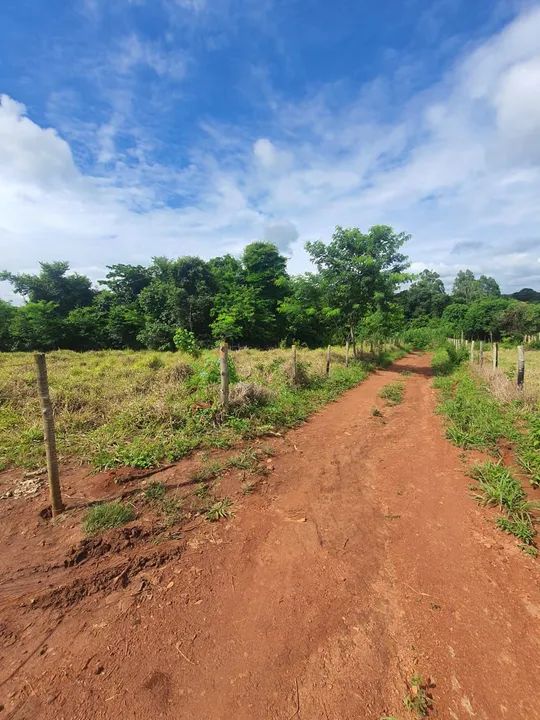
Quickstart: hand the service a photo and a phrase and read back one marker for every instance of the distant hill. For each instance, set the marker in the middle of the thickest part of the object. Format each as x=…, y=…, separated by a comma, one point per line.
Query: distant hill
x=526, y=295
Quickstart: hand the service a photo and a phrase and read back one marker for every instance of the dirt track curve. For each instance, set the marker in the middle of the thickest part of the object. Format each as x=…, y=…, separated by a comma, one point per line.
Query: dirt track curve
x=364, y=561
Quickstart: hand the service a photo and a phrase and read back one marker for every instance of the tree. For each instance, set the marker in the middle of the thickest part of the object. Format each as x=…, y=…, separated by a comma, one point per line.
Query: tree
x=426, y=297
x=467, y=288
x=125, y=282
x=53, y=285
x=36, y=326
x=305, y=314
x=359, y=271
x=483, y=318
x=7, y=313
x=454, y=318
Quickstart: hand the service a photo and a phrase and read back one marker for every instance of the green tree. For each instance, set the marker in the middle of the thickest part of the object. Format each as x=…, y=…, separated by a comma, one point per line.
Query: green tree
x=467, y=288
x=307, y=319
x=52, y=284
x=125, y=282
x=36, y=326
x=360, y=270
x=7, y=313
x=483, y=318
x=426, y=297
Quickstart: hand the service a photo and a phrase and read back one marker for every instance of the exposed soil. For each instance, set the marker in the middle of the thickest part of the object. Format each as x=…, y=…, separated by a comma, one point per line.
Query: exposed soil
x=359, y=560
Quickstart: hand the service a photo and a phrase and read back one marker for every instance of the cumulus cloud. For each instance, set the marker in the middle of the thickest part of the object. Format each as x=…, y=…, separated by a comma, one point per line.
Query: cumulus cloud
x=459, y=168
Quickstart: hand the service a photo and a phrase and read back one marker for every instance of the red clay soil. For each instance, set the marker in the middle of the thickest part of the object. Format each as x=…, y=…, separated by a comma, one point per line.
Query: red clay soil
x=361, y=561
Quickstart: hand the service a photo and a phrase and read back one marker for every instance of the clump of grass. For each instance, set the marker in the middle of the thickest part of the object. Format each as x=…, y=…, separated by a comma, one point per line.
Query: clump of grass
x=497, y=487
x=202, y=490
x=376, y=412
x=155, y=491
x=417, y=700
x=219, y=510
x=393, y=393
x=107, y=515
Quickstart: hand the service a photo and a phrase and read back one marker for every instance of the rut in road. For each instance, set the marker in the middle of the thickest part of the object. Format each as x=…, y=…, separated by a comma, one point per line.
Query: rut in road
x=366, y=562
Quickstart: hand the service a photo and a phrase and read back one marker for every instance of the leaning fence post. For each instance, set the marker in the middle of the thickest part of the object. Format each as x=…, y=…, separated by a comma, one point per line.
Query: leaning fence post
x=346, y=353
x=224, y=373
x=495, y=354
x=294, y=364
x=328, y=360
x=472, y=352
x=481, y=353
x=521, y=367
x=57, y=506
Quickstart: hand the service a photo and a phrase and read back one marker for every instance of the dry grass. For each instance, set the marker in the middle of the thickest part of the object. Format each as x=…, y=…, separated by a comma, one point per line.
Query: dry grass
x=503, y=380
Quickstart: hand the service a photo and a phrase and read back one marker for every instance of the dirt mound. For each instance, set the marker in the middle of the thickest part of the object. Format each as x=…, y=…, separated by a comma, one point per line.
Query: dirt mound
x=115, y=541
x=103, y=581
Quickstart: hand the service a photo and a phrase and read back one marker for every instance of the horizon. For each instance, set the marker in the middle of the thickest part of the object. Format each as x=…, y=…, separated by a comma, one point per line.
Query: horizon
x=182, y=127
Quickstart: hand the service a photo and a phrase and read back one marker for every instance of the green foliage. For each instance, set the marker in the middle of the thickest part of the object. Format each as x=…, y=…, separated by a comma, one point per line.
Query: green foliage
x=426, y=296
x=36, y=326
x=417, y=700
x=220, y=510
x=446, y=358
x=107, y=515
x=209, y=373
x=186, y=341
x=393, y=393
x=476, y=419
x=155, y=491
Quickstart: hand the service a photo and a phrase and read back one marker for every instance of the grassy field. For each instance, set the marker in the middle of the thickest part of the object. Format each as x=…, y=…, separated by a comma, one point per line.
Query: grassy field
x=508, y=363
x=116, y=408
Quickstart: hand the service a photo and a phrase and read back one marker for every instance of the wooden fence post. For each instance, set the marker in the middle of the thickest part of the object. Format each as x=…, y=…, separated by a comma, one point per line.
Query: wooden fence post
x=224, y=373
x=294, y=364
x=481, y=353
x=495, y=354
x=57, y=506
x=521, y=367
x=346, y=353
x=328, y=361
x=472, y=352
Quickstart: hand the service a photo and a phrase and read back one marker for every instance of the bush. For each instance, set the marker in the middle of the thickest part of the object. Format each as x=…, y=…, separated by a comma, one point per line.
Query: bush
x=421, y=338
x=246, y=393
x=210, y=373
x=186, y=341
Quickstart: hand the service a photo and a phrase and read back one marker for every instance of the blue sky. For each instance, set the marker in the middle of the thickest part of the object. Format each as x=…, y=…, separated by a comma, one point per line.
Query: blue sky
x=134, y=128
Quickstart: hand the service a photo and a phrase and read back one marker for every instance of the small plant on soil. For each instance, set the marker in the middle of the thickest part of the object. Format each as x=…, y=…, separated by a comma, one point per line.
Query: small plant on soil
x=202, y=490
x=393, y=393
x=219, y=510
x=249, y=487
x=155, y=491
x=107, y=515
x=417, y=700
x=376, y=412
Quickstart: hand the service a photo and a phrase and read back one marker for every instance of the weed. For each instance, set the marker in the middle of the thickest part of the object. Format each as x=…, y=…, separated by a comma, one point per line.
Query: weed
x=249, y=487
x=219, y=510
x=417, y=700
x=498, y=487
x=155, y=491
x=376, y=412
x=529, y=550
x=521, y=527
x=393, y=393
x=202, y=490
x=171, y=509
x=107, y=515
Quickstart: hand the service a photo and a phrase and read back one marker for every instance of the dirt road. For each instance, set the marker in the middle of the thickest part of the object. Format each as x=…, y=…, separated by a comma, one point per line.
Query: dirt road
x=362, y=562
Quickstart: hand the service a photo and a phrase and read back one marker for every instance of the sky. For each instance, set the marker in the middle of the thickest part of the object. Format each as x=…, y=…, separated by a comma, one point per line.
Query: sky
x=136, y=128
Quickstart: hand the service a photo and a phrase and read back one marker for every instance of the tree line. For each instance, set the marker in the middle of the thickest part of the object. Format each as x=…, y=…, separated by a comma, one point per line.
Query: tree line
x=357, y=292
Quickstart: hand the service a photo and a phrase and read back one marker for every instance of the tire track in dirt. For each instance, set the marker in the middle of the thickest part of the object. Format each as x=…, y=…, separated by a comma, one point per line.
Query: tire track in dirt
x=364, y=561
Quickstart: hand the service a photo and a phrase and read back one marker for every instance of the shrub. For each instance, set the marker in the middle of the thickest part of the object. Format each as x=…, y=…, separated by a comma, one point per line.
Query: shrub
x=246, y=393
x=210, y=373
x=186, y=341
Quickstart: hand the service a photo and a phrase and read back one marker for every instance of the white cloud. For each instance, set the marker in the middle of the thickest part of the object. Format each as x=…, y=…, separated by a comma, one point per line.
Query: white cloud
x=458, y=167
x=134, y=52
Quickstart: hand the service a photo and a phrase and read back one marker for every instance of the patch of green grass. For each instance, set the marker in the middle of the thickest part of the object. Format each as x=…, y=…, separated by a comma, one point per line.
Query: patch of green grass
x=107, y=515
x=219, y=510
x=393, y=393
x=417, y=700
x=476, y=420
x=497, y=487
x=202, y=490
x=155, y=491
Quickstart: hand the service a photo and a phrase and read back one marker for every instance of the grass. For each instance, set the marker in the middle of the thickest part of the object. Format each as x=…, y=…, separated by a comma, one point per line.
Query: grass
x=497, y=487
x=417, y=700
x=219, y=510
x=107, y=515
x=156, y=495
x=508, y=363
x=393, y=393
x=141, y=409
